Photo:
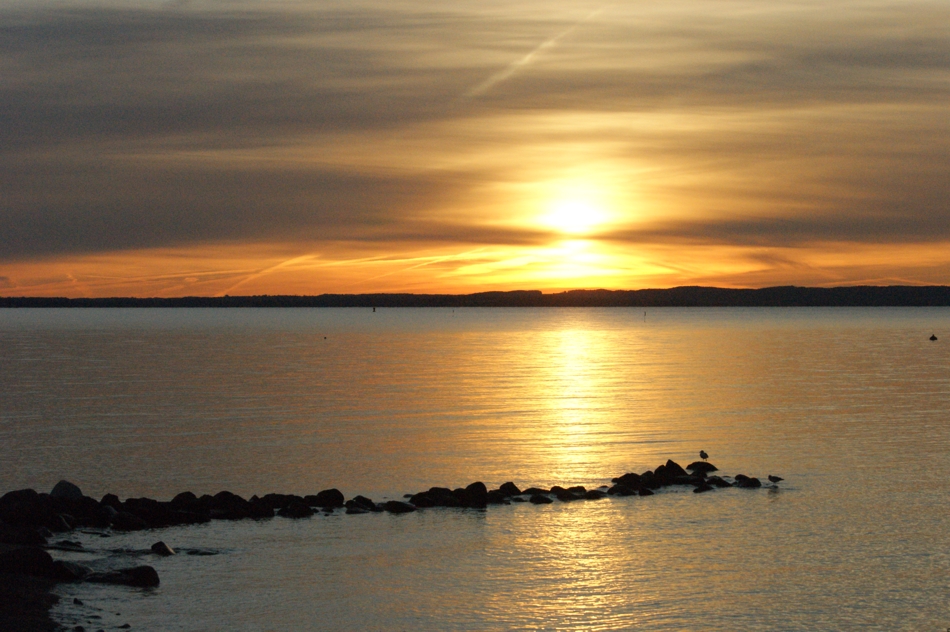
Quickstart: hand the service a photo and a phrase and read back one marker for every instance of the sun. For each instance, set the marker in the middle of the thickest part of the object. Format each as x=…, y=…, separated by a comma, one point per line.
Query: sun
x=573, y=216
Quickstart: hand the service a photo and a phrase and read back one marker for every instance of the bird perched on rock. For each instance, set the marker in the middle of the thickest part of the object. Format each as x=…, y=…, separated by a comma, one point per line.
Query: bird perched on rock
x=775, y=479
x=703, y=455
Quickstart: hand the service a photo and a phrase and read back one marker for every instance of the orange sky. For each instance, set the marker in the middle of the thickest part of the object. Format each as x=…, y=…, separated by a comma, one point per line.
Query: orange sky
x=210, y=148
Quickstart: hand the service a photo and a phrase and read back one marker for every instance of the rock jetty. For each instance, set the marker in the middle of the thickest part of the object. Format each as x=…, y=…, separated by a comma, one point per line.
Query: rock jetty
x=28, y=521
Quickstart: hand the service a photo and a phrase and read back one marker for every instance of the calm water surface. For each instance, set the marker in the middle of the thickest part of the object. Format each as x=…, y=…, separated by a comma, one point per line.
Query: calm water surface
x=849, y=405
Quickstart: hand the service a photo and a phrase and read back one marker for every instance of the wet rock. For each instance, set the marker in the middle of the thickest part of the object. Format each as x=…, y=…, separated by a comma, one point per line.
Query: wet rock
x=621, y=490
x=705, y=487
x=21, y=534
x=124, y=521
x=25, y=507
x=362, y=502
x=29, y=560
x=701, y=467
x=228, y=506
x=327, y=498
x=594, y=494
x=509, y=489
x=716, y=481
x=748, y=482
x=296, y=509
x=563, y=495
x=540, y=499
x=497, y=497
x=185, y=501
x=64, y=490
x=471, y=498
x=531, y=491
x=138, y=576
x=160, y=548
x=64, y=571
x=398, y=507
x=649, y=481
x=66, y=545
x=478, y=493
x=259, y=509
x=675, y=469
x=644, y=491
x=111, y=500
x=356, y=510
x=629, y=479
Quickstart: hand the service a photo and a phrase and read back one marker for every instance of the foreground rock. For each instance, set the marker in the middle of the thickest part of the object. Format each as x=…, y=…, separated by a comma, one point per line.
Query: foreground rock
x=138, y=576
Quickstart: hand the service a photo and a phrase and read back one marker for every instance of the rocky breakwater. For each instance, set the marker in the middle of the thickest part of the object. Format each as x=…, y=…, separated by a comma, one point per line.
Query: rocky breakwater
x=28, y=520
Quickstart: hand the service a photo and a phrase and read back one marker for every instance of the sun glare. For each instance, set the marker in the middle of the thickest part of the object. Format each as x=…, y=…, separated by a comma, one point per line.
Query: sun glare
x=573, y=216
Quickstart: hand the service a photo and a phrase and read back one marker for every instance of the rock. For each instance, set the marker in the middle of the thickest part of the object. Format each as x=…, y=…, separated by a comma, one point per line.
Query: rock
x=228, y=506
x=21, y=534
x=703, y=467
x=674, y=469
x=296, y=509
x=649, y=481
x=748, y=483
x=577, y=490
x=718, y=482
x=540, y=499
x=111, y=500
x=355, y=509
x=139, y=576
x=25, y=507
x=327, y=498
x=497, y=497
x=594, y=494
x=562, y=494
x=531, y=491
x=64, y=490
x=643, y=491
x=64, y=571
x=398, y=507
x=124, y=521
x=509, y=489
x=260, y=509
x=185, y=501
x=519, y=499
x=629, y=479
x=471, y=498
x=29, y=560
x=705, y=487
x=621, y=490
x=478, y=493
x=443, y=497
x=160, y=548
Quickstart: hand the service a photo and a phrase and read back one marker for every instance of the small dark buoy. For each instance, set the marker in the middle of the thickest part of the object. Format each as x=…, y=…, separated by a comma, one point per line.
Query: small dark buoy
x=775, y=479
x=703, y=455
x=933, y=337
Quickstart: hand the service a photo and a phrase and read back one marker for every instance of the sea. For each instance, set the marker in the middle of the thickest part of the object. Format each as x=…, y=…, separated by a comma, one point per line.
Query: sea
x=850, y=406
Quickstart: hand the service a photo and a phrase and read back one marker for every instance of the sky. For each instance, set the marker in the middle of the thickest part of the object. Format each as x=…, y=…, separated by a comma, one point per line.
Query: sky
x=305, y=147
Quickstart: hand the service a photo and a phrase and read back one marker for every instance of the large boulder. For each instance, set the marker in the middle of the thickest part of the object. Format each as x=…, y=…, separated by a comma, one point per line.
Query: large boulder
x=139, y=576
x=26, y=507
x=331, y=498
x=629, y=479
x=509, y=489
x=675, y=469
x=621, y=490
x=296, y=509
x=125, y=521
x=228, y=506
x=30, y=560
x=160, y=548
x=64, y=490
x=594, y=494
x=21, y=534
x=701, y=467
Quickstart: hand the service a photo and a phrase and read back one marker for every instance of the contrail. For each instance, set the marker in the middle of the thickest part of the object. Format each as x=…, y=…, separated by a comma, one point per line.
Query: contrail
x=261, y=273
x=517, y=65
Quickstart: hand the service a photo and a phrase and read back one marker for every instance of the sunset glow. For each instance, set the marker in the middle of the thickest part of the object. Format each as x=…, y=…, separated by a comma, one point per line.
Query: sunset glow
x=208, y=148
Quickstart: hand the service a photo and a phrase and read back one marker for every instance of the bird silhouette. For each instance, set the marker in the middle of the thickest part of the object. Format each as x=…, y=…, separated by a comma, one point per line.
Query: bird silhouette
x=775, y=479
x=703, y=455
x=933, y=336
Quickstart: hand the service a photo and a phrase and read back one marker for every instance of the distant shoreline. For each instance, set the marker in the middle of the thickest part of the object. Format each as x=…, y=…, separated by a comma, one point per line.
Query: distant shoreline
x=691, y=296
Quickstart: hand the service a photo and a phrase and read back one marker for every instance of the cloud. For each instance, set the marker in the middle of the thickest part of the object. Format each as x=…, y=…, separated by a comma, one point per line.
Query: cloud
x=347, y=125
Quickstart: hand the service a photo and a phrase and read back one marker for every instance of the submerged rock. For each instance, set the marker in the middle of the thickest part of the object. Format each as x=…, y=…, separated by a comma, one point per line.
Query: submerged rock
x=540, y=499
x=296, y=509
x=139, y=576
x=160, y=548
x=398, y=507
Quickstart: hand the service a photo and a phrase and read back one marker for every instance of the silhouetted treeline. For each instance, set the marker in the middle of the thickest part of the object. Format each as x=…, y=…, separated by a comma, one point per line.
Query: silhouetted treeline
x=786, y=296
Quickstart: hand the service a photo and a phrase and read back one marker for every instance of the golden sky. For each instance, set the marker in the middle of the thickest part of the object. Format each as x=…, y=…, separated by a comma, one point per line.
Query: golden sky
x=303, y=147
